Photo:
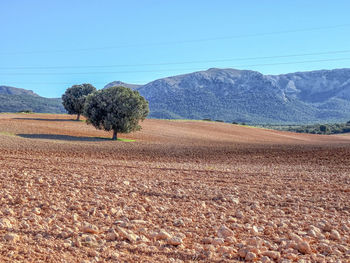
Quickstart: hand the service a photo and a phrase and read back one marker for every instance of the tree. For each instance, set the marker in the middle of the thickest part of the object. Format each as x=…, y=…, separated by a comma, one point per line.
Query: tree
x=74, y=98
x=324, y=128
x=116, y=109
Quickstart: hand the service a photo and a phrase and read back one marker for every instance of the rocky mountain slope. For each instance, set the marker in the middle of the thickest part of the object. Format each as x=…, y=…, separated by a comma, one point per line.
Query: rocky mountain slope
x=227, y=94
x=14, y=100
x=7, y=90
x=249, y=96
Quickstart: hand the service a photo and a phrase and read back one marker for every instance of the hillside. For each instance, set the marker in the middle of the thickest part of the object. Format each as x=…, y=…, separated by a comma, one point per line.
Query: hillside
x=7, y=90
x=14, y=100
x=227, y=94
x=249, y=96
x=160, y=132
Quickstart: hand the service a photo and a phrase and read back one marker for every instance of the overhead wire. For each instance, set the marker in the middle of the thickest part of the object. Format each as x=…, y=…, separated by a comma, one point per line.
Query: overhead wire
x=167, y=70
x=180, y=62
x=143, y=44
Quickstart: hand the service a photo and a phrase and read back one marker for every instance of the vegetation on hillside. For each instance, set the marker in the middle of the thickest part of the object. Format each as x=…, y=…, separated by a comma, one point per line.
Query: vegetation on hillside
x=334, y=128
x=19, y=103
x=251, y=97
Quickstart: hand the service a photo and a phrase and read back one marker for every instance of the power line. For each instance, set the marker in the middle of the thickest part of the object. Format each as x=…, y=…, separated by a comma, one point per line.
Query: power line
x=179, y=42
x=15, y=83
x=47, y=83
x=100, y=72
x=297, y=62
x=180, y=63
x=165, y=70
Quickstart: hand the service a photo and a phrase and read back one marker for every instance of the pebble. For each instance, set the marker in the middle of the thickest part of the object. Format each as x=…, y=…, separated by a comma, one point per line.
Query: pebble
x=272, y=254
x=67, y=243
x=250, y=256
x=217, y=241
x=207, y=240
x=75, y=217
x=9, y=212
x=291, y=256
x=224, y=232
x=90, y=229
x=92, y=253
x=295, y=237
x=304, y=247
x=178, y=222
x=175, y=241
x=127, y=234
x=239, y=214
x=254, y=230
x=111, y=236
x=139, y=222
x=335, y=235
x=265, y=259
x=243, y=252
x=36, y=210
x=162, y=235
x=88, y=240
x=10, y=237
x=5, y=223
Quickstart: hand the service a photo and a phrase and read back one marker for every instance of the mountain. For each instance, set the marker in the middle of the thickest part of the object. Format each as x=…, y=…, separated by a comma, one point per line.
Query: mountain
x=120, y=83
x=15, y=91
x=226, y=94
x=14, y=100
x=249, y=96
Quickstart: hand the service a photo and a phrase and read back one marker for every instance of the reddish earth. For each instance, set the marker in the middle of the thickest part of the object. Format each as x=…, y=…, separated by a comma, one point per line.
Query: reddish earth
x=184, y=191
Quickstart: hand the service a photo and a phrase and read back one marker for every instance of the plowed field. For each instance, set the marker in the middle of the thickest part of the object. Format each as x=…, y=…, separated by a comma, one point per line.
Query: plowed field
x=183, y=191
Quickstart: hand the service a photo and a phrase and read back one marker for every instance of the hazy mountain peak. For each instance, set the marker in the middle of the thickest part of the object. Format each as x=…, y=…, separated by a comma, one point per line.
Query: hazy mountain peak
x=120, y=83
x=16, y=91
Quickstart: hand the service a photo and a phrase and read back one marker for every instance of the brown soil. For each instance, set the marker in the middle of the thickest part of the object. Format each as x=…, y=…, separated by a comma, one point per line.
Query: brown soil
x=184, y=191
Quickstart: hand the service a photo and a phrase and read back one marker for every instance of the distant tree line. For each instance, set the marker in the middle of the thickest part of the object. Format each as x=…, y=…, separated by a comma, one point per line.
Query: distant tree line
x=334, y=128
x=116, y=109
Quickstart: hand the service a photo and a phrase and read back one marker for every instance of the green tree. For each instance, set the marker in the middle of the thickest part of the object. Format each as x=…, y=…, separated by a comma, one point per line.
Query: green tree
x=324, y=128
x=74, y=98
x=116, y=109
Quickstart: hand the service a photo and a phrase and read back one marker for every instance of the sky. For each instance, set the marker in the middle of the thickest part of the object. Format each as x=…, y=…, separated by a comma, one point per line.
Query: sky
x=48, y=46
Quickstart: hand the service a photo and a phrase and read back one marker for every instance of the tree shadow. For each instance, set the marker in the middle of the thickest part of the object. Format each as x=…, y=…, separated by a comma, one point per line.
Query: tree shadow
x=62, y=137
x=39, y=119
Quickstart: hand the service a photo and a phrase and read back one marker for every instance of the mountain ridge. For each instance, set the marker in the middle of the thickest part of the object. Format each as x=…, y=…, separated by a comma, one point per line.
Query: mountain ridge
x=250, y=96
x=230, y=95
x=8, y=90
x=15, y=99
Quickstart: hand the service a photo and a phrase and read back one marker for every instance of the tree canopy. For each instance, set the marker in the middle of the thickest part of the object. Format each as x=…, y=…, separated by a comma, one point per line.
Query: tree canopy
x=116, y=109
x=74, y=98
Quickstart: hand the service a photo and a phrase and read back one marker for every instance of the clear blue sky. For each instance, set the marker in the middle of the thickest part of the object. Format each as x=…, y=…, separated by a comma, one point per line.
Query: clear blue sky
x=47, y=46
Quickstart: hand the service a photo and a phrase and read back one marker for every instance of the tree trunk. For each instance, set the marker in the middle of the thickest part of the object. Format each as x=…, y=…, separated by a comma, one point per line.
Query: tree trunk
x=114, y=138
x=78, y=117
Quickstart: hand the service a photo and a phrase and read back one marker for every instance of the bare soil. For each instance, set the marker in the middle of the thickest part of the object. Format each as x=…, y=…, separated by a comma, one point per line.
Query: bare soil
x=183, y=191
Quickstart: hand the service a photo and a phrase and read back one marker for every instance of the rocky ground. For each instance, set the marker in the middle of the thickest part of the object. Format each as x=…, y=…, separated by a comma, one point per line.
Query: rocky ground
x=182, y=192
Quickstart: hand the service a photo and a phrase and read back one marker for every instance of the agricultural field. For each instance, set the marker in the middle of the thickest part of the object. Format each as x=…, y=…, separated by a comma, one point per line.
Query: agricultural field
x=176, y=191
